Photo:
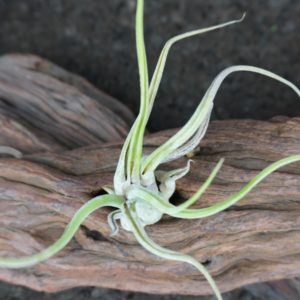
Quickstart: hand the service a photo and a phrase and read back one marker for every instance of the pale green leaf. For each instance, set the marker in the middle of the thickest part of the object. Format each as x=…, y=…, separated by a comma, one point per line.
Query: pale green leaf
x=82, y=213
x=163, y=57
x=136, y=143
x=12, y=151
x=140, y=234
x=155, y=158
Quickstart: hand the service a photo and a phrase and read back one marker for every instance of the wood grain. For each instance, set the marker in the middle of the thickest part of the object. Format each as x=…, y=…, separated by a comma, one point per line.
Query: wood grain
x=48, y=113
x=45, y=108
x=255, y=240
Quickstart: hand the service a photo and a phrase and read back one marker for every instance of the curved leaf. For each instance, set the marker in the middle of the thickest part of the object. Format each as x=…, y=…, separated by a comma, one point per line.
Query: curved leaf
x=156, y=157
x=82, y=213
x=12, y=151
x=148, y=244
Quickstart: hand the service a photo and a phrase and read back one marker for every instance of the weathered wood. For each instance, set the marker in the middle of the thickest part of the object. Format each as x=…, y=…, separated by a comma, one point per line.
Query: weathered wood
x=284, y=289
x=255, y=240
x=45, y=108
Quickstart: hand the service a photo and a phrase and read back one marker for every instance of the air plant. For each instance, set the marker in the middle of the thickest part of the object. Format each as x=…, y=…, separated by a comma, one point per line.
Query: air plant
x=141, y=193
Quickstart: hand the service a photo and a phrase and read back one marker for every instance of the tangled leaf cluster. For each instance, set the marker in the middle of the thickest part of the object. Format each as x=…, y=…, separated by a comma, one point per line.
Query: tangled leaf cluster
x=141, y=193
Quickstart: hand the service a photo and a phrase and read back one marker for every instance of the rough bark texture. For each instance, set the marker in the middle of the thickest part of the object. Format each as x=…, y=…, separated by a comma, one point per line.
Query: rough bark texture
x=45, y=108
x=255, y=240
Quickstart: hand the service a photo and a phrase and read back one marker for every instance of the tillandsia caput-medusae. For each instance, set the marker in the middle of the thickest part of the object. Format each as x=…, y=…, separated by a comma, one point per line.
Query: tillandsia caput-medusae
x=140, y=193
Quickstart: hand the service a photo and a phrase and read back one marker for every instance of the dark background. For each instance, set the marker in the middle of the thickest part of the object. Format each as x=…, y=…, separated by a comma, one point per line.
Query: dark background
x=96, y=39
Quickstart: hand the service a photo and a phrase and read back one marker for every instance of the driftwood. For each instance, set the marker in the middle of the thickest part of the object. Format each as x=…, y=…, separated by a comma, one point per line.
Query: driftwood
x=255, y=240
x=284, y=289
x=45, y=108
